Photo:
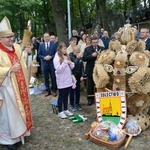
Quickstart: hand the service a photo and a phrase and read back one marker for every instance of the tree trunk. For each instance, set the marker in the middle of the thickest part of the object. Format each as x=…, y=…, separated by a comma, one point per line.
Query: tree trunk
x=59, y=20
x=81, y=15
x=72, y=11
x=133, y=3
x=125, y=8
x=46, y=17
x=104, y=15
x=98, y=11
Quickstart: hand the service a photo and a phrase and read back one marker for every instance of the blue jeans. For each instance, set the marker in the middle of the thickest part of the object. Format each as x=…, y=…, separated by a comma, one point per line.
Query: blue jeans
x=63, y=99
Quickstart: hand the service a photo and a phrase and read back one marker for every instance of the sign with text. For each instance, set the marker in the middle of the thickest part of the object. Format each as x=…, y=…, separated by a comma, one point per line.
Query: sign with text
x=111, y=106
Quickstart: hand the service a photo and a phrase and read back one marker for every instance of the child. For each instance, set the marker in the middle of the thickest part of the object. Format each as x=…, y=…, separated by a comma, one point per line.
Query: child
x=72, y=43
x=78, y=72
x=63, y=67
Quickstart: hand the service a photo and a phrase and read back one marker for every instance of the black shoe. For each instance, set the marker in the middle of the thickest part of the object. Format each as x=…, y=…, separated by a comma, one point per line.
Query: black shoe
x=90, y=102
x=11, y=147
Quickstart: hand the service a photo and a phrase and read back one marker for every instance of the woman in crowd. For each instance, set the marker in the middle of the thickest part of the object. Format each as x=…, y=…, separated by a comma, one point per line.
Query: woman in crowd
x=85, y=44
x=82, y=40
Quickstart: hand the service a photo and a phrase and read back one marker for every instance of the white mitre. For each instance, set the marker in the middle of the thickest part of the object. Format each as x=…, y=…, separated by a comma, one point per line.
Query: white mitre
x=5, y=27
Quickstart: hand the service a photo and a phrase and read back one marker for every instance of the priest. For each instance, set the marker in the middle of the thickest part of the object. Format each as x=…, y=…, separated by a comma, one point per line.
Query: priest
x=15, y=111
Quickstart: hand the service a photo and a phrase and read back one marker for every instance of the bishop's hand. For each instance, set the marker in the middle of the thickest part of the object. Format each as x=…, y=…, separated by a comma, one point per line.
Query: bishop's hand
x=15, y=68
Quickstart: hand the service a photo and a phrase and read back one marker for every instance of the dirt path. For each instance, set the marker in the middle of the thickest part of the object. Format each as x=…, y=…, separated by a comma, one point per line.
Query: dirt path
x=52, y=133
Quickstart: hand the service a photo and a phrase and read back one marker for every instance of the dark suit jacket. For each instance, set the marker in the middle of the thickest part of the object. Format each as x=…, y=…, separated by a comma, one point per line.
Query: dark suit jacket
x=148, y=44
x=42, y=52
x=87, y=56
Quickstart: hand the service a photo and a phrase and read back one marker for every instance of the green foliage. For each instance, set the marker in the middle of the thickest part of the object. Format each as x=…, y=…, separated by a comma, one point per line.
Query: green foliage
x=41, y=14
x=88, y=8
x=20, y=11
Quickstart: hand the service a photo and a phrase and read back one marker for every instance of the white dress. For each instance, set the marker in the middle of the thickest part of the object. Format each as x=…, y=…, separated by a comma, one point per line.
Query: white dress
x=11, y=122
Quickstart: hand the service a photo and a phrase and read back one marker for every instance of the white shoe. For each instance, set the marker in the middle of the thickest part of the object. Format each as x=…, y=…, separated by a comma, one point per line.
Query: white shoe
x=62, y=115
x=68, y=113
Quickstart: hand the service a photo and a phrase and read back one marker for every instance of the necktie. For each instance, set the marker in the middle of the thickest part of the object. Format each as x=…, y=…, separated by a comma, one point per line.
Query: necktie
x=47, y=47
x=95, y=49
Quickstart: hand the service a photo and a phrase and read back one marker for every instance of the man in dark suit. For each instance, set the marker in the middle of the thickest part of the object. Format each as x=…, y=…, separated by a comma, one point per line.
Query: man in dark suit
x=148, y=44
x=90, y=55
x=105, y=39
x=46, y=53
x=144, y=34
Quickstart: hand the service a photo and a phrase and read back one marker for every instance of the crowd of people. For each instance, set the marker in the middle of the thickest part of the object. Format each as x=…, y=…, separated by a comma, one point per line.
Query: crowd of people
x=67, y=67
x=82, y=51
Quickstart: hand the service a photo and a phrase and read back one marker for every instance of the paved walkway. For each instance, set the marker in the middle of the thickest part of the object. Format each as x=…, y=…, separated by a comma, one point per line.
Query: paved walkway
x=52, y=133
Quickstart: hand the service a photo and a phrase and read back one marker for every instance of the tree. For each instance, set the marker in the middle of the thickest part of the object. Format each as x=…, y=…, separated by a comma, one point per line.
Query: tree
x=103, y=14
x=51, y=15
x=81, y=14
x=60, y=22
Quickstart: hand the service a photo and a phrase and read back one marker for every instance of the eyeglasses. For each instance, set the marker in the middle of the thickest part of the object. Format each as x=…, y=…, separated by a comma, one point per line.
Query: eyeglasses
x=9, y=37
